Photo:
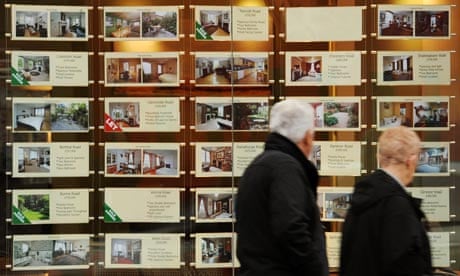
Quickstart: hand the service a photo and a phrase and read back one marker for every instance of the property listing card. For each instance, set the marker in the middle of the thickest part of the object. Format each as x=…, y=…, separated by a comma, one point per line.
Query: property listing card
x=141, y=69
x=141, y=205
x=215, y=159
x=159, y=23
x=413, y=68
x=63, y=23
x=337, y=158
x=50, y=206
x=49, y=68
x=231, y=68
x=440, y=248
x=413, y=22
x=304, y=24
x=323, y=68
x=334, y=202
x=160, y=114
x=57, y=159
x=142, y=250
x=231, y=113
x=213, y=250
x=417, y=112
x=51, y=252
x=231, y=23
x=333, y=242
x=50, y=114
x=142, y=159
x=215, y=204
x=335, y=113
x=435, y=202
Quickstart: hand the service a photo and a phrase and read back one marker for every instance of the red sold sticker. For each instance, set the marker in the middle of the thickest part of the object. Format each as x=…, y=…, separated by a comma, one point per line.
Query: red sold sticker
x=110, y=124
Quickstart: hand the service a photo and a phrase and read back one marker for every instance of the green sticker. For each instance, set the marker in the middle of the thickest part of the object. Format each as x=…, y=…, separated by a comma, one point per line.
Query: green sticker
x=18, y=217
x=110, y=215
x=17, y=78
x=200, y=33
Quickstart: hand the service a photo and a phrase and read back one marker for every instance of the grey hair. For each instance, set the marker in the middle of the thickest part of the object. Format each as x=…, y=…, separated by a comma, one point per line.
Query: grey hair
x=396, y=145
x=292, y=119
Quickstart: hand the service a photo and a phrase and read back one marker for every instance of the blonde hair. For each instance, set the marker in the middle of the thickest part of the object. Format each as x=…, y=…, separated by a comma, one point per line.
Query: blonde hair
x=396, y=145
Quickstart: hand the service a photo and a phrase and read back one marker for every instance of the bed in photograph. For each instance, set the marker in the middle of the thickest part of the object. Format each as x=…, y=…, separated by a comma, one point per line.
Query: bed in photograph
x=34, y=122
x=168, y=78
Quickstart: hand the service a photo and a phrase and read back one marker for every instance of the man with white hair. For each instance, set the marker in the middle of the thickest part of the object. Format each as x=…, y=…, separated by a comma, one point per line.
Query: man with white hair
x=384, y=232
x=278, y=222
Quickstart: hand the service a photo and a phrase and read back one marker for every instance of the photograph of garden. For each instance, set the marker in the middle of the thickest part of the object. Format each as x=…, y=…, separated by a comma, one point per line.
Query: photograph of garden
x=34, y=207
x=69, y=116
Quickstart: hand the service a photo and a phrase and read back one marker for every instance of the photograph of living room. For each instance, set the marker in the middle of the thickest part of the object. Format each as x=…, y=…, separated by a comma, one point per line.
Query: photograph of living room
x=31, y=24
x=431, y=114
x=126, y=251
x=398, y=68
x=69, y=116
x=216, y=250
x=432, y=23
x=216, y=23
x=215, y=207
x=123, y=162
x=31, y=117
x=159, y=70
x=123, y=70
x=213, y=116
x=306, y=69
x=213, y=70
x=160, y=162
x=251, y=116
x=159, y=24
x=33, y=159
x=68, y=24
x=433, y=160
x=336, y=205
x=216, y=159
x=122, y=24
x=396, y=23
x=125, y=114
x=34, y=68
x=392, y=114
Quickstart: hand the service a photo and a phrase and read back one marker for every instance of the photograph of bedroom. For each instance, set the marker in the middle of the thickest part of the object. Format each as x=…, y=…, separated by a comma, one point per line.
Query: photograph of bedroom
x=336, y=205
x=251, y=116
x=433, y=160
x=124, y=70
x=216, y=159
x=306, y=68
x=125, y=114
x=213, y=116
x=392, y=114
x=430, y=114
x=33, y=159
x=216, y=250
x=126, y=251
x=215, y=206
x=159, y=70
x=249, y=70
x=124, y=161
x=159, y=24
x=34, y=68
x=69, y=116
x=398, y=68
x=32, y=117
x=432, y=23
x=213, y=70
x=396, y=23
x=122, y=24
x=31, y=24
x=68, y=24
x=216, y=23
x=160, y=162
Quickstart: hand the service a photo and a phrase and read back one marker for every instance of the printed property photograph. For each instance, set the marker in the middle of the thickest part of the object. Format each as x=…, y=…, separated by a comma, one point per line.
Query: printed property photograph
x=43, y=253
x=215, y=23
x=315, y=156
x=248, y=70
x=393, y=114
x=216, y=250
x=126, y=251
x=160, y=162
x=125, y=114
x=213, y=116
x=306, y=69
x=213, y=70
x=215, y=206
x=430, y=114
x=252, y=116
x=159, y=70
x=31, y=24
x=122, y=24
x=339, y=114
x=159, y=24
x=123, y=70
x=336, y=205
x=68, y=116
x=433, y=160
x=32, y=117
x=68, y=24
x=34, y=68
x=398, y=68
x=432, y=23
x=216, y=159
x=34, y=207
x=123, y=162
x=33, y=159
x=396, y=23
